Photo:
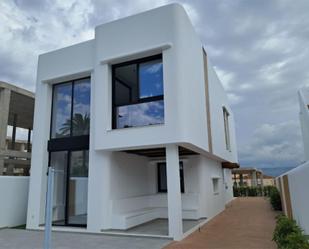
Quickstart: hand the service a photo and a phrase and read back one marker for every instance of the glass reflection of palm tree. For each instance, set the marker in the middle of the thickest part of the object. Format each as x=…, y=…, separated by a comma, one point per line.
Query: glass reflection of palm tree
x=80, y=125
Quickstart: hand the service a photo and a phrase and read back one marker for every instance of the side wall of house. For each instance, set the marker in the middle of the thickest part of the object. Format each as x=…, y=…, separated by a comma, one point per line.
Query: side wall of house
x=228, y=185
x=218, y=100
x=212, y=201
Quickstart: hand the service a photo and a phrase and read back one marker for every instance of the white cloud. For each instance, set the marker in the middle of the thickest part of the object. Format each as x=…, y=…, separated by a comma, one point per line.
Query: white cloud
x=273, y=145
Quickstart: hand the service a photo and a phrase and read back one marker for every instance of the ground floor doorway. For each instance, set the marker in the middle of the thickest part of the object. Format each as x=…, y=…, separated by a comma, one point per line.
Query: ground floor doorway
x=70, y=192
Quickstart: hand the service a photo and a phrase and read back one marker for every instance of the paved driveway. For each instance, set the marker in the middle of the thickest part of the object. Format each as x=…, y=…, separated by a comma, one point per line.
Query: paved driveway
x=247, y=224
x=23, y=239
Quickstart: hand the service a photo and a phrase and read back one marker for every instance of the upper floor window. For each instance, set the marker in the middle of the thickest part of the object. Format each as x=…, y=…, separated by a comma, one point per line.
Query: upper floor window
x=71, y=109
x=138, y=93
x=226, y=129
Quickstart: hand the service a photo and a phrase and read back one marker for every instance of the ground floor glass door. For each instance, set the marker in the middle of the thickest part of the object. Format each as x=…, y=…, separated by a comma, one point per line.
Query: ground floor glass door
x=70, y=187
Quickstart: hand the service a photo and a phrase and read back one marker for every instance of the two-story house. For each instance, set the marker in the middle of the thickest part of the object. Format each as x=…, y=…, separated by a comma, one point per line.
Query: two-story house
x=137, y=125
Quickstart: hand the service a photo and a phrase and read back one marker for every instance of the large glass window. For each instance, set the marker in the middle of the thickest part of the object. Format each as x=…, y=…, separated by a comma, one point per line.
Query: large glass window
x=162, y=178
x=138, y=93
x=71, y=109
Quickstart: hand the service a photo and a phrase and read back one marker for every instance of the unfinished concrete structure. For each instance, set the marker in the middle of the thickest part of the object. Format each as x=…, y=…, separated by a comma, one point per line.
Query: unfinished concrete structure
x=16, y=110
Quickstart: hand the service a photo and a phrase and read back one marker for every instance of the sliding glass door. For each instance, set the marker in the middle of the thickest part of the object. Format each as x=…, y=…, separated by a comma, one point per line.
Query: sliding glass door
x=70, y=187
x=78, y=188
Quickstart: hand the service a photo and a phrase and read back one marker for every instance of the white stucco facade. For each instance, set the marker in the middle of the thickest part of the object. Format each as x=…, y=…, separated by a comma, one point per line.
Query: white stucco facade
x=123, y=187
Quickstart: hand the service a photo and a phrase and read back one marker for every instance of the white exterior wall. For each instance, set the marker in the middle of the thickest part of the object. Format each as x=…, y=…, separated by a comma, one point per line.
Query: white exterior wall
x=303, y=96
x=61, y=65
x=298, y=183
x=228, y=185
x=218, y=100
x=14, y=200
x=117, y=175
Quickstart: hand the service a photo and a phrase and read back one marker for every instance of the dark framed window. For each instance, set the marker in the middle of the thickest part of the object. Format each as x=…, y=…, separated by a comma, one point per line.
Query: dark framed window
x=226, y=129
x=162, y=177
x=138, y=98
x=71, y=109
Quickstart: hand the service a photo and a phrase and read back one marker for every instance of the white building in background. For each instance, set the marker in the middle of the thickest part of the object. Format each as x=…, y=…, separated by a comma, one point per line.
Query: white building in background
x=293, y=184
x=125, y=117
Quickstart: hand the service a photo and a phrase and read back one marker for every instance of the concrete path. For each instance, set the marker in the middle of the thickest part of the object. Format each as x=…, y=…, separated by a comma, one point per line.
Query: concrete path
x=23, y=239
x=247, y=224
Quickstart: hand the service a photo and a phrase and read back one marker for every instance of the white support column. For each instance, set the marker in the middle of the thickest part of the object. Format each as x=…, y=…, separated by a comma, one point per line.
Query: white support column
x=173, y=193
x=5, y=96
x=99, y=215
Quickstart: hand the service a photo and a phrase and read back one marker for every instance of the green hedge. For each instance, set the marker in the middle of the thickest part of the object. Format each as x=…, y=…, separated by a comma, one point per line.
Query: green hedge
x=269, y=191
x=288, y=235
x=251, y=191
x=275, y=199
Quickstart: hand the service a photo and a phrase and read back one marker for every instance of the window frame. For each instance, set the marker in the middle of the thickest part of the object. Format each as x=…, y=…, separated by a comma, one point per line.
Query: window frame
x=227, y=136
x=139, y=99
x=181, y=176
x=72, y=107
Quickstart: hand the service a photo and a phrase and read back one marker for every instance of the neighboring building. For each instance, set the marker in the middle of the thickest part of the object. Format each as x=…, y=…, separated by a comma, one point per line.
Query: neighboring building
x=294, y=183
x=268, y=180
x=16, y=110
x=252, y=177
x=138, y=127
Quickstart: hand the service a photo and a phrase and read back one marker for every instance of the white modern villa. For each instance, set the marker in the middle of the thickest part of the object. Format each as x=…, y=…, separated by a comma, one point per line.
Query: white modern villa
x=138, y=127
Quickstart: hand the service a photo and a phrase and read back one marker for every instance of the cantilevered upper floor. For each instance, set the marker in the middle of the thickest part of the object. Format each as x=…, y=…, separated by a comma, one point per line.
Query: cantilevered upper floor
x=150, y=84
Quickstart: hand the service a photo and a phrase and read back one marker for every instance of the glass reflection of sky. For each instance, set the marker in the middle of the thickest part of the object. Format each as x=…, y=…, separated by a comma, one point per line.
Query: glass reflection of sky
x=81, y=108
x=82, y=97
x=61, y=109
x=151, y=79
x=141, y=114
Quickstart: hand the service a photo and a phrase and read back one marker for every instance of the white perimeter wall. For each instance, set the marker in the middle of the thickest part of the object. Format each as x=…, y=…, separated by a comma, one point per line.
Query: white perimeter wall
x=13, y=200
x=299, y=185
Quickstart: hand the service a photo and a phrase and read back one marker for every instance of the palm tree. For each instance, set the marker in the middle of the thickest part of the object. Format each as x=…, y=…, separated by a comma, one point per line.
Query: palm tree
x=80, y=125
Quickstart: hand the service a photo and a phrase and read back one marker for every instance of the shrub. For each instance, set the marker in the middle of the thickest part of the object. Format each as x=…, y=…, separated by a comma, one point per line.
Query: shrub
x=247, y=191
x=288, y=235
x=267, y=190
x=275, y=199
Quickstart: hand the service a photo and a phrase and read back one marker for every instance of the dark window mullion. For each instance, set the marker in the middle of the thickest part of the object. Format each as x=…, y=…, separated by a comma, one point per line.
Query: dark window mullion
x=114, y=107
x=144, y=100
x=138, y=82
x=72, y=106
x=52, y=113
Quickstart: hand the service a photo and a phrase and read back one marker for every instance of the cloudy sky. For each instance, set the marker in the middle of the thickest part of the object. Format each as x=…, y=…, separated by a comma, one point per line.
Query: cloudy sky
x=258, y=47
